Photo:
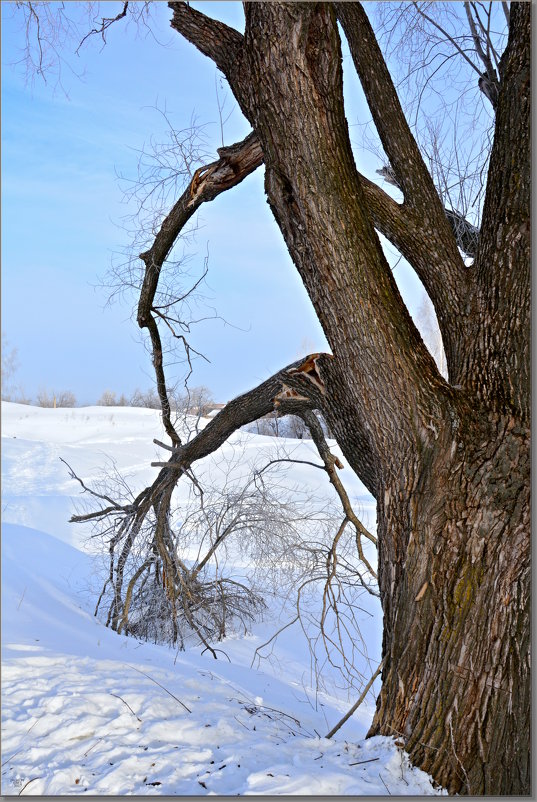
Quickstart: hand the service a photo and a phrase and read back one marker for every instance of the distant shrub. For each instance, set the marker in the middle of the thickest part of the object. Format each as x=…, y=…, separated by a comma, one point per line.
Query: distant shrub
x=194, y=401
x=289, y=426
x=16, y=395
x=65, y=398
x=109, y=399
x=197, y=401
x=148, y=399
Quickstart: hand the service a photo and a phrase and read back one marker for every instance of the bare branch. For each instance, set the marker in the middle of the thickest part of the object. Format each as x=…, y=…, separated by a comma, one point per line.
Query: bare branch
x=149, y=514
x=103, y=497
x=54, y=29
x=37, y=22
x=235, y=163
x=446, y=35
x=162, y=445
x=158, y=364
x=390, y=121
x=356, y=705
x=106, y=22
x=292, y=390
x=330, y=463
x=446, y=279
x=488, y=81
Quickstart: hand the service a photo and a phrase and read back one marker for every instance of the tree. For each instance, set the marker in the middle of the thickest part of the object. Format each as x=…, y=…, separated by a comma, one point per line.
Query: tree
x=10, y=364
x=447, y=460
x=65, y=399
x=108, y=399
x=9, y=367
x=148, y=399
x=195, y=401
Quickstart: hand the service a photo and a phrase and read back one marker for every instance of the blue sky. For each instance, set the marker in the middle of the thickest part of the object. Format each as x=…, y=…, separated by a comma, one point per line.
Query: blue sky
x=63, y=211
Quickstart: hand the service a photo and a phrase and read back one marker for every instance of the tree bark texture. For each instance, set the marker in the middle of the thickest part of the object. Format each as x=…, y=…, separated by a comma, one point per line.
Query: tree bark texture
x=448, y=462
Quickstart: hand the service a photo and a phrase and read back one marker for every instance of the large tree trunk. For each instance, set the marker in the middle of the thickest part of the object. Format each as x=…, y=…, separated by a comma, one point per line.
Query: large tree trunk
x=455, y=582
x=447, y=462
x=455, y=546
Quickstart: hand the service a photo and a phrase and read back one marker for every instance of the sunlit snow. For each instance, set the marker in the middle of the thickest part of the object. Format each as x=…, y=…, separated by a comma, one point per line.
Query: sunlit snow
x=85, y=710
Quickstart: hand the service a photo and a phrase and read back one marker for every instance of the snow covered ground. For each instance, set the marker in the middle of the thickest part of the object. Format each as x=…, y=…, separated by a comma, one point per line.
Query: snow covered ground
x=85, y=710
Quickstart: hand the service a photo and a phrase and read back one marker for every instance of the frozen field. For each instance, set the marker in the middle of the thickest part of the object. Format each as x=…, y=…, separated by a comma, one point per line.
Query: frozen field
x=87, y=711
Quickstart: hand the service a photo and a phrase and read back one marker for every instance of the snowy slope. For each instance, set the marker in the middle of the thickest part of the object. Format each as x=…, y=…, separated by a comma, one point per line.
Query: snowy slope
x=87, y=711
x=36, y=488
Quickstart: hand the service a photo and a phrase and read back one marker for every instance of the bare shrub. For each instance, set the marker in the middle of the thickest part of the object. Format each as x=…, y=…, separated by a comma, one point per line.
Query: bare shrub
x=201, y=570
x=145, y=398
x=196, y=401
x=64, y=398
x=108, y=399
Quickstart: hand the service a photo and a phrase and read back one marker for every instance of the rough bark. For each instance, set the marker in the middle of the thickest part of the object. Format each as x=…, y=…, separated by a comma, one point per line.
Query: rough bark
x=447, y=462
x=455, y=548
x=454, y=575
x=497, y=366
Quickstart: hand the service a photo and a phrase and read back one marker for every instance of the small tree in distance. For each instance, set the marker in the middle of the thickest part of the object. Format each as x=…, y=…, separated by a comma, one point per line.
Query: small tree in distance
x=9, y=367
x=64, y=398
x=11, y=391
x=148, y=399
x=108, y=399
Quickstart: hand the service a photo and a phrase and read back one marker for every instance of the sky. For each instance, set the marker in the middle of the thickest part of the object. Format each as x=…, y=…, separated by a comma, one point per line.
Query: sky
x=65, y=146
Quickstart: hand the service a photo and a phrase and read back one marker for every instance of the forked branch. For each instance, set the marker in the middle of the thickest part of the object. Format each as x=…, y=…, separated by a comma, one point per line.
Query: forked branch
x=402, y=226
x=234, y=164
x=106, y=22
x=148, y=516
x=390, y=121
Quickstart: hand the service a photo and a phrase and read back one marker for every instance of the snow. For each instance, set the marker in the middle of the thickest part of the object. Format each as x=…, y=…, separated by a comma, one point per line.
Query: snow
x=85, y=710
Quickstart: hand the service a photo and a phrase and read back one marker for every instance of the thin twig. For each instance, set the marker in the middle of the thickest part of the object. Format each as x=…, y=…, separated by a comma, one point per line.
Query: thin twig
x=128, y=705
x=384, y=784
x=357, y=704
x=28, y=783
x=359, y=762
x=98, y=741
x=106, y=22
x=163, y=445
x=446, y=34
x=163, y=688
